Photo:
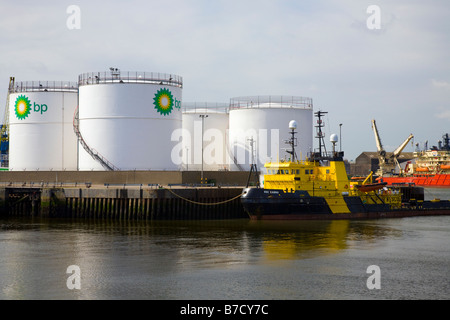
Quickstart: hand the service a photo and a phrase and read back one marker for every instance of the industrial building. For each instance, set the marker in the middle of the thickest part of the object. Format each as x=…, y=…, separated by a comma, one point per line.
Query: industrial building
x=368, y=162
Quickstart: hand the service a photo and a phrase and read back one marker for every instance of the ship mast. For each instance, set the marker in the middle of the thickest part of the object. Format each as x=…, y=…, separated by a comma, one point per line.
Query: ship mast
x=320, y=134
x=322, y=155
x=293, y=141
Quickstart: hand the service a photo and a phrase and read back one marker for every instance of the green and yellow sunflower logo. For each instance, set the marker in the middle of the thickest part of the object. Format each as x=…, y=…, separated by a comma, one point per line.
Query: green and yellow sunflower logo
x=22, y=107
x=163, y=101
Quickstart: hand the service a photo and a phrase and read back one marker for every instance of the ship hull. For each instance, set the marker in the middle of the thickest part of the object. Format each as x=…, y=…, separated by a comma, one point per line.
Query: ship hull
x=436, y=180
x=263, y=204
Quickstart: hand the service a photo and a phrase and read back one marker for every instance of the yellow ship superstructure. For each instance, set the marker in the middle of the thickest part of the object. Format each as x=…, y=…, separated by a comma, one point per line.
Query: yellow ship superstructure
x=328, y=181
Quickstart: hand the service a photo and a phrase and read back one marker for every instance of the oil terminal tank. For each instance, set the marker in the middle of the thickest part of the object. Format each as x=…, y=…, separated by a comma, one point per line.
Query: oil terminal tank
x=126, y=120
x=259, y=129
x=205, y=130
x=41, y=135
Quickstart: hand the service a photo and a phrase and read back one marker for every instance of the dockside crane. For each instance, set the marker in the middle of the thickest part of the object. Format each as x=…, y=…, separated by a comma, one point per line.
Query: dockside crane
x=399, y=150
x=392, y=160
x=381, y=151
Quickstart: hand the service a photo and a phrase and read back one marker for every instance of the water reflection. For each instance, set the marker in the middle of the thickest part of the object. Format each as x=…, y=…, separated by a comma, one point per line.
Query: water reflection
x=146, y=259
x=188, y=239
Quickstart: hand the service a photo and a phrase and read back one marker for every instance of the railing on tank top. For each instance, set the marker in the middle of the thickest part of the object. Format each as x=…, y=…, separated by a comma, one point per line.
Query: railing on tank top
x=118, y=76
x=43, y=86
x=252, y=102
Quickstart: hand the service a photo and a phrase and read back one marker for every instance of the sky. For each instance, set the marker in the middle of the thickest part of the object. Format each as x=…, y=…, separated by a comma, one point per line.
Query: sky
x=357, y=63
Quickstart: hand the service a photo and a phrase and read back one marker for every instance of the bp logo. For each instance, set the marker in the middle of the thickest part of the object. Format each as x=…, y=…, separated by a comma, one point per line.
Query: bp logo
x=22, y=107
x=164, y=102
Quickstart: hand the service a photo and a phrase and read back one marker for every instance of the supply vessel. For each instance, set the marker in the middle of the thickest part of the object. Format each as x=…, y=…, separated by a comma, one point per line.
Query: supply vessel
x=319, y=188
x=430, y=168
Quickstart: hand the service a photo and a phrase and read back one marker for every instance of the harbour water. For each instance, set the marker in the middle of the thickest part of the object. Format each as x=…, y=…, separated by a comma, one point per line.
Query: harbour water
x=226, y=260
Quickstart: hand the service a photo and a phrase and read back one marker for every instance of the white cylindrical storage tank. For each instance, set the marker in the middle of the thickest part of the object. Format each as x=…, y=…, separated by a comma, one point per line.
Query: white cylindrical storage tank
x=41, y=135
x=126, y=120
x=259, y=129
x=205, y=129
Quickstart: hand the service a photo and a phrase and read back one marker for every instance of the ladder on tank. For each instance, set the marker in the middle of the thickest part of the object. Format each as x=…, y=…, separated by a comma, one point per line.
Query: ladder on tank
x=92, y=152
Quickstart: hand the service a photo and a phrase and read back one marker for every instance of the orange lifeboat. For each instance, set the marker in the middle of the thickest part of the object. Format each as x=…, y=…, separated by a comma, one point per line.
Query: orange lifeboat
x=445, y=166
x=370, y=187
x=422, y=169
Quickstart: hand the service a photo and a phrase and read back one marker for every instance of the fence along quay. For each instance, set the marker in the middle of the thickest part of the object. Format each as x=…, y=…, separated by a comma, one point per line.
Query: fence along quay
x=125, y=201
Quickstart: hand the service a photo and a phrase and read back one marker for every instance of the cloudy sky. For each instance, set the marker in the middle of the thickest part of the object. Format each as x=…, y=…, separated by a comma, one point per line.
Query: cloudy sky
x=328, y=50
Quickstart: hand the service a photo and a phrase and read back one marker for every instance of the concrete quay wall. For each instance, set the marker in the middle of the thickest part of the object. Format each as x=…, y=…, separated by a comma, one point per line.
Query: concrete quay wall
x=127, y=202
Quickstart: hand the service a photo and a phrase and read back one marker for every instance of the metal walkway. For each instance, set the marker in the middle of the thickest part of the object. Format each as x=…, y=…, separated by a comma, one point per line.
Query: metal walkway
x=94, y=153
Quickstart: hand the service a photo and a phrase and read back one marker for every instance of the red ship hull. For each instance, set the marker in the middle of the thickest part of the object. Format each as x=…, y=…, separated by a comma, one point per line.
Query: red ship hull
x=429, y=180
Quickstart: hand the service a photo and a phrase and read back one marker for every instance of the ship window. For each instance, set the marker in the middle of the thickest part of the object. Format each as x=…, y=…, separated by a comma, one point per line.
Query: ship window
x=286, y=171
x=282, y=171
x=328, y=171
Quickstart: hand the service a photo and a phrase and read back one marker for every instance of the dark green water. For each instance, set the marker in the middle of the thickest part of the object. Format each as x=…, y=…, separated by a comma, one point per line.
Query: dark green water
x=236, y=259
